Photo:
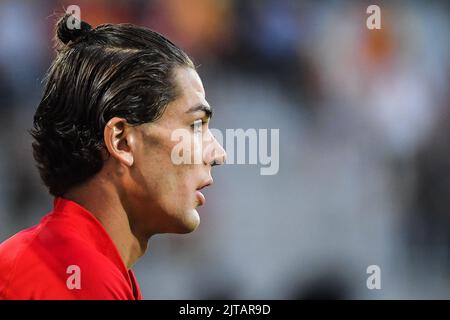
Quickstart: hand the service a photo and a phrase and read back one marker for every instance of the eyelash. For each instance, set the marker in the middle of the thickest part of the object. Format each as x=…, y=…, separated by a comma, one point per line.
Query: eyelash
x=193, y=125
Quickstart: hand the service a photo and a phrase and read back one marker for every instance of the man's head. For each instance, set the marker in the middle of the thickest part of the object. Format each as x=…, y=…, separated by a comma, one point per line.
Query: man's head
x=113, y=97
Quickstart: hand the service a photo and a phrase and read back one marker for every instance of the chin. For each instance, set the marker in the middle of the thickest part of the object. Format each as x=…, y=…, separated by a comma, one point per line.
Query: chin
x=189, y=222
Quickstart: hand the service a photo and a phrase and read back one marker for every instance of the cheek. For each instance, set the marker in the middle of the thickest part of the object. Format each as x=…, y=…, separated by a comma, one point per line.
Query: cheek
x=165, y=180
x=174, y=193
x=181, y=181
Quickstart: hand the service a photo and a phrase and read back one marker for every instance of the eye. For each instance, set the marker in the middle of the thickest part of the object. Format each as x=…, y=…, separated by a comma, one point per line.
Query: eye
x=197, y=125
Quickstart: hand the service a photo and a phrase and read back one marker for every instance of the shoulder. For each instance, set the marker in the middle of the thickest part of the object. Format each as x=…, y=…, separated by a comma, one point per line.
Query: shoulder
x=47, y=262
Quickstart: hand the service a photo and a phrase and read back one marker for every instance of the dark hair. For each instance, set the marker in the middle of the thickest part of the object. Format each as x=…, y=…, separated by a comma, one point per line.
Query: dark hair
x=114, y=70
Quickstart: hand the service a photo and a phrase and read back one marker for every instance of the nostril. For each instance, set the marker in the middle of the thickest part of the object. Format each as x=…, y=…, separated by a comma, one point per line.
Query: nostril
x=216, y=162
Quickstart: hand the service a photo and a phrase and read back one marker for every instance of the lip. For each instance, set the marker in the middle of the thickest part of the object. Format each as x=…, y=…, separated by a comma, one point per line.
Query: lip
x=200, y=197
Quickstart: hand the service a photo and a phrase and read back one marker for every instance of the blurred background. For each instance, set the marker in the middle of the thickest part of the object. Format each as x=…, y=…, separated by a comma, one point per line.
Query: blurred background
x=364, y=121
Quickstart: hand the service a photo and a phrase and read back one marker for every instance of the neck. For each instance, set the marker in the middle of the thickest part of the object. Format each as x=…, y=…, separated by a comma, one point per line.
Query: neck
x=112, y=215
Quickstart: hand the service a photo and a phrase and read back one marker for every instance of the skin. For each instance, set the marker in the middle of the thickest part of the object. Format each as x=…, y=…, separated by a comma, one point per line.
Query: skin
x=140, y=191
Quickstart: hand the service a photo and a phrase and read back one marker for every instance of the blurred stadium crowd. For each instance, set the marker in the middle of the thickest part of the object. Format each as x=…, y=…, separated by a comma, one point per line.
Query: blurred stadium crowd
x=364, y=121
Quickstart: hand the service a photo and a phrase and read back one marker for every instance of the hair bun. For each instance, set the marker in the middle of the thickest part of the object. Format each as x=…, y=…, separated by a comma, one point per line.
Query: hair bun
x=67, y=32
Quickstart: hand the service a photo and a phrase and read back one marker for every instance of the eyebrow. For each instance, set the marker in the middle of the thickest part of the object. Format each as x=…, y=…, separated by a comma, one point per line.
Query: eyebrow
x=201, y=107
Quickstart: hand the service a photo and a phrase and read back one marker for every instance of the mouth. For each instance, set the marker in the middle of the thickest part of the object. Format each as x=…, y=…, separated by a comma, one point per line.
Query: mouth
x=200, y=197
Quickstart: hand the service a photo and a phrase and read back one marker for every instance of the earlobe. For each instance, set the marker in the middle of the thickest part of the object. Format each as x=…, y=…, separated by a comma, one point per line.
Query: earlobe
x=117, y=141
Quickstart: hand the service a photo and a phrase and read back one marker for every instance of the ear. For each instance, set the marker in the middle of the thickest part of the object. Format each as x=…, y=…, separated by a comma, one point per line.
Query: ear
x=119, y=140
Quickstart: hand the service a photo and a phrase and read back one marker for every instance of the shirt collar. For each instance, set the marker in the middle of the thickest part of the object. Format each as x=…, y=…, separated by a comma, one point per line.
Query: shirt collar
x=90, y=228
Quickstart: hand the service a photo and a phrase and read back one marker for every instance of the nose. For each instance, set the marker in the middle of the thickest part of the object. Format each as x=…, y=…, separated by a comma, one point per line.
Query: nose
x=217, y=155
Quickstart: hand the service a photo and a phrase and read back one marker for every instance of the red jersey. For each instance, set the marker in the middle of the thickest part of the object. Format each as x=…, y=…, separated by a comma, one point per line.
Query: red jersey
x=68, y=255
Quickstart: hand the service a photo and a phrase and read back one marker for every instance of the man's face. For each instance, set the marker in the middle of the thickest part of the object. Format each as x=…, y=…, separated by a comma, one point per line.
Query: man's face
x=163, y=194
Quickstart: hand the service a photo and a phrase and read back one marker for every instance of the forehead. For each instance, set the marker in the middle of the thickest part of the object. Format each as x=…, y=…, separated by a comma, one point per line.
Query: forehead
x=190, y=92
x=189, y=81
